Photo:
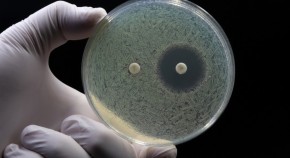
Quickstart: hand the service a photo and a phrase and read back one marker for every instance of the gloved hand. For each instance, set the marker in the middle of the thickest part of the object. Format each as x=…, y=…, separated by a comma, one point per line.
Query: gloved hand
x=31, y=94
x=95, y=139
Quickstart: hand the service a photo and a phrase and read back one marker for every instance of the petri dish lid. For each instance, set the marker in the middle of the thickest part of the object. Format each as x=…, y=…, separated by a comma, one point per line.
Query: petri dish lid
x=158, y=72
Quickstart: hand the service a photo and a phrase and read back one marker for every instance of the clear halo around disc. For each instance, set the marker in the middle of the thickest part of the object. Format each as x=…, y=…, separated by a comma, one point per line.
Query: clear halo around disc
x=158, y=72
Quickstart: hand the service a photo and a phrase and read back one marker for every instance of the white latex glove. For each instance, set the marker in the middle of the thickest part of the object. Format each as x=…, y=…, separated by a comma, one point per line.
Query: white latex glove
x=31, y=94
x=95, y=139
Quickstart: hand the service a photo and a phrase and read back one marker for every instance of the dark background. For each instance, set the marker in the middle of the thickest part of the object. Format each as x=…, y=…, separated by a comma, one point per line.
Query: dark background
x=256, y=122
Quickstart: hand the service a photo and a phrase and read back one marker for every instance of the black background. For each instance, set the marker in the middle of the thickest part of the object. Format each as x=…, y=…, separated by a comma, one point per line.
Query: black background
x=256, y=122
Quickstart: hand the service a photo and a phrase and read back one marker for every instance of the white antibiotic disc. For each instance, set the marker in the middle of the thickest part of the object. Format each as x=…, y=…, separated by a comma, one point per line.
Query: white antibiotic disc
x=134, y=68
x=181, y=68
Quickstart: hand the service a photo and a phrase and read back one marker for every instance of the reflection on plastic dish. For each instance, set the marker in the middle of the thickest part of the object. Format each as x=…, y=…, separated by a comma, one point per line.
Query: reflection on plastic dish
x=158, y=72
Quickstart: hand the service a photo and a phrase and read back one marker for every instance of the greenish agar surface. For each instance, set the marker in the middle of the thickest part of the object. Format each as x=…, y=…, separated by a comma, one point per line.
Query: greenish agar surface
x=150, y=107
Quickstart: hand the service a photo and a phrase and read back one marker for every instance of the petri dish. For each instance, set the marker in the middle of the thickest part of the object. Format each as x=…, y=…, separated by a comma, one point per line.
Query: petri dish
x=158, y=72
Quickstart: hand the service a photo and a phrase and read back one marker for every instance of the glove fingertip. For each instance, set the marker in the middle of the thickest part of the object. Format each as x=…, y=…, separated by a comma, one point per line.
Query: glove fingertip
x=100, y=13
x=172, y=153
x=81, y=22
x=11, y=148
x=27, y=132
x=162, y=152
x=69, y=124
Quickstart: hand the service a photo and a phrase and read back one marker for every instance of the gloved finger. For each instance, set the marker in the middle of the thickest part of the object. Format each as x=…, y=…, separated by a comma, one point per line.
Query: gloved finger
x=156, y=152
x=162, y=152
x=52, y=26
x=14, y=151
x=96, y=139
x=50, y=143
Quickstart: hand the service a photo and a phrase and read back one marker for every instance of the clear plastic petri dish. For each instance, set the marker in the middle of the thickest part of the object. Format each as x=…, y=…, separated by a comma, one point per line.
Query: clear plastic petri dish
x=158, y=72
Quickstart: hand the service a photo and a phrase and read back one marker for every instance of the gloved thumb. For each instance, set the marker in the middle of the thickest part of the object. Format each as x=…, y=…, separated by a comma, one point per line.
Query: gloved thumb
x=52, y=26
